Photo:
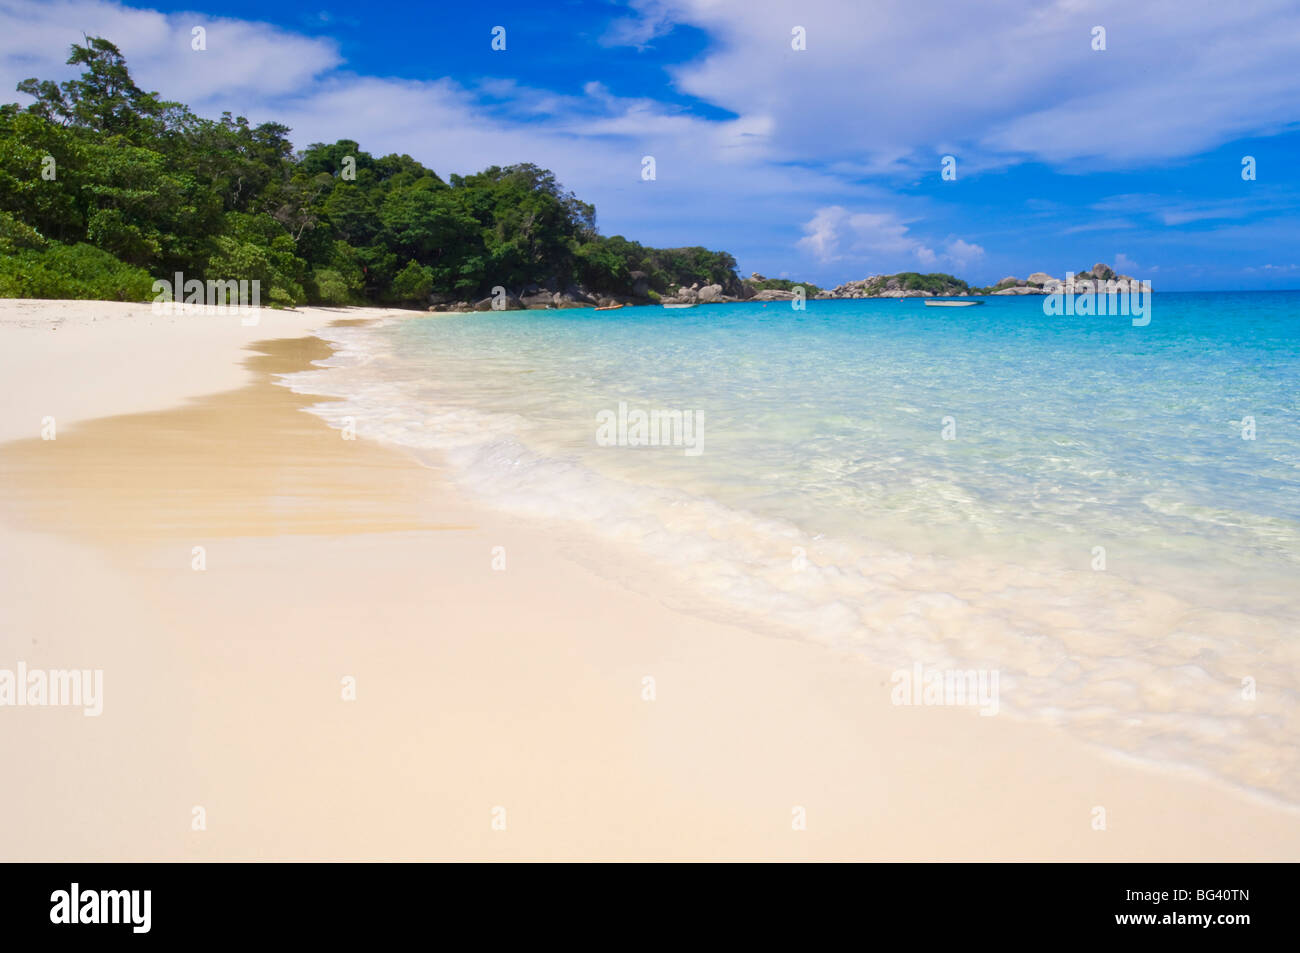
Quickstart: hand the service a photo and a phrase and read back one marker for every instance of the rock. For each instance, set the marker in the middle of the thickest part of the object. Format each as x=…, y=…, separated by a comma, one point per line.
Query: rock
x=710, y=293
x=541, y=299
x=1008, y=280
x=1040, y=278
x=756, y=276
x=511, y=304
x=1102, y=271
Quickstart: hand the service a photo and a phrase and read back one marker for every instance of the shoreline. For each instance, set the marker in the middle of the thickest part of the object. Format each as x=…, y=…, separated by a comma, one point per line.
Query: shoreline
x=476, y=688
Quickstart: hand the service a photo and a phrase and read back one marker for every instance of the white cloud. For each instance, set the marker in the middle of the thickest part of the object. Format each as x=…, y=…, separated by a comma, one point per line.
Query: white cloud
x=995, y=83
x=962, y=253
x=244, y=62
x=878, y=240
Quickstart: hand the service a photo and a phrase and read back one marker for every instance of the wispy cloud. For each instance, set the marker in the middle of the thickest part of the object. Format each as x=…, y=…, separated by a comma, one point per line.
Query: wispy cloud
x=650, y=20
x=878, y=239
x=1176, y=210
x=1103, y=225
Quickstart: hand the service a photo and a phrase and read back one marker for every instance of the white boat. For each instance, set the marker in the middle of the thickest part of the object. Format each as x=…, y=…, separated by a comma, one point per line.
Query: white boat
x=686, y=304
x=944, y=303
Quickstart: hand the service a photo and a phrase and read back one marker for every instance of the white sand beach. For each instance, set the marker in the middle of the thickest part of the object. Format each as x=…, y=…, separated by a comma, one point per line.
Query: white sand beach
x=499, y=714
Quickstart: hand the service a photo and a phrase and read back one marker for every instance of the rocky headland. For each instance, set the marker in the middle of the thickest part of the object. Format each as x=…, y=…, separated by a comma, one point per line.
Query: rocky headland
x=758, y=288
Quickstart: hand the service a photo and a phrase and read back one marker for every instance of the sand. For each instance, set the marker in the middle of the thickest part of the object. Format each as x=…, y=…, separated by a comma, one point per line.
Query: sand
x=498, y=714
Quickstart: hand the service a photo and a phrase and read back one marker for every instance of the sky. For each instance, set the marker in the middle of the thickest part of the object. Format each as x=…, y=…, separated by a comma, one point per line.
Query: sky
x=822, y=163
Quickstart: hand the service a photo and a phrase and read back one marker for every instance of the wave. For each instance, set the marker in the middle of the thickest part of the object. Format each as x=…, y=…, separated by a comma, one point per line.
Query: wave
x=1131, y=667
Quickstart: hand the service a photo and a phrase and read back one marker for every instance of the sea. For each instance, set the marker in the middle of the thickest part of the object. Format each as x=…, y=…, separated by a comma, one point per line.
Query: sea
x=1104, y=511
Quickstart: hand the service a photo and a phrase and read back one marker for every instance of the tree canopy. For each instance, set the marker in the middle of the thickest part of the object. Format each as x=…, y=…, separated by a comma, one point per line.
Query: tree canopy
x=104, y=185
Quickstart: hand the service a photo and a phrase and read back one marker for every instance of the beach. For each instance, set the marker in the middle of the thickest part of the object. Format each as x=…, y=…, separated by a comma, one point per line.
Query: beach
x=363, y=661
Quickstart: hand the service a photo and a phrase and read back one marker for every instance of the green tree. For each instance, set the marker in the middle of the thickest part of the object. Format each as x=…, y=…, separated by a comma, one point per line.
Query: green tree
x=157, y=189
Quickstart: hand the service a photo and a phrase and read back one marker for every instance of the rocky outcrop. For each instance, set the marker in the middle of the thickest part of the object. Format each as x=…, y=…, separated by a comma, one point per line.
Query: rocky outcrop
x=851, y=289
x=538, y=297
x=897, y=286
x=903, y=285
x=452, y=306
x=1042, y=283
x=706, y=294
x=511, y=303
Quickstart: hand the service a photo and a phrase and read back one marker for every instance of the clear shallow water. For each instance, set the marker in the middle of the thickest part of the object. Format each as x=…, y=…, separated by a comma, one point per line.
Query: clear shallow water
x=823, y=434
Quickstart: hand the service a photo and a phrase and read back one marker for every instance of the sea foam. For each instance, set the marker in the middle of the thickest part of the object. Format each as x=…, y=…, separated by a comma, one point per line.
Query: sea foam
x=829, y=506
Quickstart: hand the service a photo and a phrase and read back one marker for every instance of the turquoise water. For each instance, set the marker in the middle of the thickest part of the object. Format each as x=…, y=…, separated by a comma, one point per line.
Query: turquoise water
x=1094, y=526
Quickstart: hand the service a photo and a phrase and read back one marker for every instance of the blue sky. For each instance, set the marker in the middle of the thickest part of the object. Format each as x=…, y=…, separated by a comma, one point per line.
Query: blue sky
x=822, y=163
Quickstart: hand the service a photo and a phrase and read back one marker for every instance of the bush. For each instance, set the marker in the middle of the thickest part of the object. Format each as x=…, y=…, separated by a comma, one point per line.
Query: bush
x=326, y=286
x=72, y=271
x=783, y=284
x=413, y=283
x=15, y=235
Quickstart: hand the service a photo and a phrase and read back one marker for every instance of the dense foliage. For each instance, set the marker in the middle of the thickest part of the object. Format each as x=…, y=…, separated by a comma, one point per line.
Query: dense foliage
x=936, y=282
x=782, y=284
x=103, y=185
